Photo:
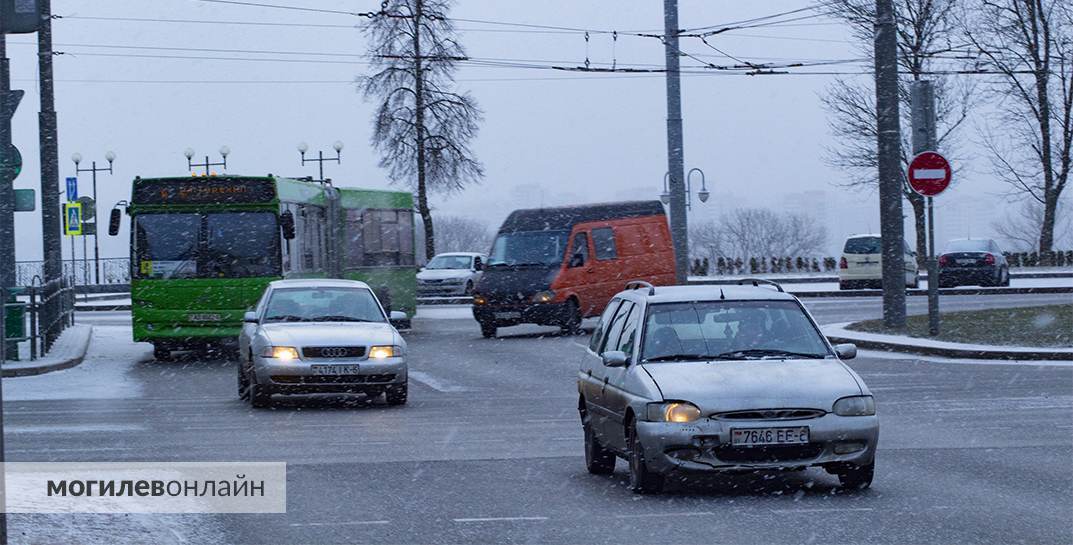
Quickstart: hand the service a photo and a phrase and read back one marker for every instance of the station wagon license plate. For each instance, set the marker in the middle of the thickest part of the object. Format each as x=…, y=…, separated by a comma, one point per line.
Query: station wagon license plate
x=334, y=370
x=204, y=317
x=768, y=436
x=508, y=315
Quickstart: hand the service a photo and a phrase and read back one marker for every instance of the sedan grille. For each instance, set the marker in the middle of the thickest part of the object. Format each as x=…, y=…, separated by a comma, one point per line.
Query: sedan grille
x=333, y=379
x=329, y=352
x=770, y=414
x=768, y=454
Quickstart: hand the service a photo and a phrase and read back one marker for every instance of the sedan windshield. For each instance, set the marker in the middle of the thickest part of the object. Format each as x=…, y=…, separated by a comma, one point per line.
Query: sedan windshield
x=449, y=262
x=730, y=330
x=529, y=248
x=323, y=305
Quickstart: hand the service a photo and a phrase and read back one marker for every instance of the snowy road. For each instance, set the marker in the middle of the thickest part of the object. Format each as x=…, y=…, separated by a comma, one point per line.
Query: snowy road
x=489, y=450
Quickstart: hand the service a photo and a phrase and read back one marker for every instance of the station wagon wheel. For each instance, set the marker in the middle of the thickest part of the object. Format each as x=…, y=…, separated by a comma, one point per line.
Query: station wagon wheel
x=598, y=460
x=642, y=480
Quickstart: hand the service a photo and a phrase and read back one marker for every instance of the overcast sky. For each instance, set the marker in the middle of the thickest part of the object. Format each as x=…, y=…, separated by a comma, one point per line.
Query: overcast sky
x=549, y=137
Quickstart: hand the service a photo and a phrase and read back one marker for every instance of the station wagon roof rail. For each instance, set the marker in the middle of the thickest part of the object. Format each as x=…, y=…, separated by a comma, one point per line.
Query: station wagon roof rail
x=757, y=281
x=634, y=284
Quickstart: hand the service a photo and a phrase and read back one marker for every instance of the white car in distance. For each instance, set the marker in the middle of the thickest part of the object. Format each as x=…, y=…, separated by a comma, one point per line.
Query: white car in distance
x=450, y=274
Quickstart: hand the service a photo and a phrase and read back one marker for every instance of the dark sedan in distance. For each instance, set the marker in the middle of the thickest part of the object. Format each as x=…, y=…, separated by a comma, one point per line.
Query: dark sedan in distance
x=973, y=261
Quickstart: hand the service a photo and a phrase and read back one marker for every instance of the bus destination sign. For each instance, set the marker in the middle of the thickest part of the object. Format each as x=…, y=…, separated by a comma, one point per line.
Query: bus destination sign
x=203, y=191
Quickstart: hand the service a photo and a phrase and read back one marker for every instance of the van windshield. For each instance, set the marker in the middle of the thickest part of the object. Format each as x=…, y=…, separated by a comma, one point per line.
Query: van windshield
x=545, y=248
x=863, y=245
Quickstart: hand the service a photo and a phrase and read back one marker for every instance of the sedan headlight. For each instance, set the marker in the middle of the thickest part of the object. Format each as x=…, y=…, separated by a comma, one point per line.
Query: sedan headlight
x=855, y=406
x=285, y=353
x=543, y=297
x=384, y=352
x=677, y=411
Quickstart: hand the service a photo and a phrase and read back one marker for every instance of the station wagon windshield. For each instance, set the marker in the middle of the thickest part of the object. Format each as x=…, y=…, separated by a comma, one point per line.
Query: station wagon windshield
x=322, y=305
x=730, y=330
x=521, y=248
x=863, y=245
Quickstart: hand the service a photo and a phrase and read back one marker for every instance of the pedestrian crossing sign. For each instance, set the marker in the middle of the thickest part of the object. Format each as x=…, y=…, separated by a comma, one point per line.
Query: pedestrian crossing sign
x=72, y=214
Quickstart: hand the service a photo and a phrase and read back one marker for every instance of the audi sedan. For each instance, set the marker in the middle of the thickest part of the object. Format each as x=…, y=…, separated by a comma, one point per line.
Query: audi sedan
x=689, y=379
x=321, y=336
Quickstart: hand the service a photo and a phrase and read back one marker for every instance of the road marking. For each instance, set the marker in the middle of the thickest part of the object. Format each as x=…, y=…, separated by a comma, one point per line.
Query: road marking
x=551, y=420
x=655, y=515
x=825, y=510
x=440, y=385
x=500, y=519
x=88, y=428
x=342, y=523
x=960, y=361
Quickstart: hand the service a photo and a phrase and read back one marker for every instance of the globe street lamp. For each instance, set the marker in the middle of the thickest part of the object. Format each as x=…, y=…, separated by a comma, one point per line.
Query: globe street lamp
x=320, y=160
x=77, y=159
x=189, y=153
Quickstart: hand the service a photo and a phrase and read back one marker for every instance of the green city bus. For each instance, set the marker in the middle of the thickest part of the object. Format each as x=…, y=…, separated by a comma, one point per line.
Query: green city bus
x=202, y=249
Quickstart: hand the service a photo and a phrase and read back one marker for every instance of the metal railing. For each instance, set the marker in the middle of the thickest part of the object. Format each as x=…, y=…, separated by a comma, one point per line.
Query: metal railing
x=61, y=293
x=114, y=270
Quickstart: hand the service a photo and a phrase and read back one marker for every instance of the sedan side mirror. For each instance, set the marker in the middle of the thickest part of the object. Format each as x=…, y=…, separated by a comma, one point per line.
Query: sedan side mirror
x=250, y=317
x=399, y=319
x=846, y=351
x=615, y=358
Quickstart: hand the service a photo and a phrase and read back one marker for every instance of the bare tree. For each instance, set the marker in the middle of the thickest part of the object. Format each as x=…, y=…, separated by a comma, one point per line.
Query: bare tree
x=459, y=234
x=1030, y=43
x=757, y=232
x=925, y=28
x=423, y=128
x=1019, y=229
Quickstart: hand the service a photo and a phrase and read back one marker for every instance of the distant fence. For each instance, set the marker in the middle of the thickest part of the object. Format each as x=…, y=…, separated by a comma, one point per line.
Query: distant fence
x=114, y=270
x=775, y=265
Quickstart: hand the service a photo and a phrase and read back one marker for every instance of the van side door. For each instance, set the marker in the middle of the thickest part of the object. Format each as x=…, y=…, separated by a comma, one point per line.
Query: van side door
x=577, y=275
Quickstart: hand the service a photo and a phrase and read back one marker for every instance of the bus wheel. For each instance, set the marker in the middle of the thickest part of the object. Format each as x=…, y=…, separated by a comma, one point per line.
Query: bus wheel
x=161, y=352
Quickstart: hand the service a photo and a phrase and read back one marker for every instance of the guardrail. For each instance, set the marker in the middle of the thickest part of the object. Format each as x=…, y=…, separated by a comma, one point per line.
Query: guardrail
x=114, y=270
x=59, y=292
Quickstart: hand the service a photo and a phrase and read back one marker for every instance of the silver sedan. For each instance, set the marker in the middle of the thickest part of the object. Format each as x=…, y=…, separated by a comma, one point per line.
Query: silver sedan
x=321, y=336
x=680, y=380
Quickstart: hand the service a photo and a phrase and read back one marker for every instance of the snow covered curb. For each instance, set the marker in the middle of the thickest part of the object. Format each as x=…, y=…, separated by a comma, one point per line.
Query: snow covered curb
x=837, y=333
x=66, y=352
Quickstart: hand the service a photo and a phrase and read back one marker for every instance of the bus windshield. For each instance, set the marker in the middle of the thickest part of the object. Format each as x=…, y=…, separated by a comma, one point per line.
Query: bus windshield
x=206, y=245
x=545, y=248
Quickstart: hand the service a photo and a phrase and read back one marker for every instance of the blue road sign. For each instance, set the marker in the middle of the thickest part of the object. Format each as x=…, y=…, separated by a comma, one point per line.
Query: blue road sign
x=72, y=189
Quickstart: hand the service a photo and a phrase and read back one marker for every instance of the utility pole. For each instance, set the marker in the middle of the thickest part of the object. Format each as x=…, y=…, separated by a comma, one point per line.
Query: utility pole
x=675, y=152
x=891, y=225
x=8, y=170
x=51, y=226
x=925, y=139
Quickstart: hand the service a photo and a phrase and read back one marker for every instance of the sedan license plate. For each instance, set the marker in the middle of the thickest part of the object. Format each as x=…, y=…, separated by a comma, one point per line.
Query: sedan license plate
x=508, y=315
x=334, y=370
x=768, y=436
x=966, y=262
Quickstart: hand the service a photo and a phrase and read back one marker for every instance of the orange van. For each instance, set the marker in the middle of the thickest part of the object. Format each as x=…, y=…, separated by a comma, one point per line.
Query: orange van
x=555, y=266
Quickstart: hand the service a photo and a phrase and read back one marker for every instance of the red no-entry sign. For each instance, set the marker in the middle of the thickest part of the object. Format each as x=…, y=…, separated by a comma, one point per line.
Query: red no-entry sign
x=929, y=173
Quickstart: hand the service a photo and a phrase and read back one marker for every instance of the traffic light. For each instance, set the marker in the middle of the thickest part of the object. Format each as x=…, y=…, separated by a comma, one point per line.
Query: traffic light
x=19, y=16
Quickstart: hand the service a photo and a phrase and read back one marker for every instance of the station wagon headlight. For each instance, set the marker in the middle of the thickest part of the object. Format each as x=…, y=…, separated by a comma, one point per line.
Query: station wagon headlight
x=855, y=406
x=677, y=411
x=384, y=352
x=285, y=353
x=544, y=297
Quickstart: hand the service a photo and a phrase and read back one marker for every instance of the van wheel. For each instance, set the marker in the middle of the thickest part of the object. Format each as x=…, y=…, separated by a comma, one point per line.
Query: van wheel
x=915, y=284
x=488, y=330
x=598, y=460
x=642, y=480
x=572, y=320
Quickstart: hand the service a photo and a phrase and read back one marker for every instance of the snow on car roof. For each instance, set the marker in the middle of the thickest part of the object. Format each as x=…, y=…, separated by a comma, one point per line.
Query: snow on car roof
x=678, y=294
x=318, y=283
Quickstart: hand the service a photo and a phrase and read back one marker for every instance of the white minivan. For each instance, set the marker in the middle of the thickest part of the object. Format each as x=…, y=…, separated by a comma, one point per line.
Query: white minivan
x=861, y=264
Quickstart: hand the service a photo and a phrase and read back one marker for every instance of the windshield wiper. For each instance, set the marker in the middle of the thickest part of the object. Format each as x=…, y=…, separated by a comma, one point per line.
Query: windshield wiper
x=676, y=357
x=765, y=352
x=338, y=319
x=284, y=318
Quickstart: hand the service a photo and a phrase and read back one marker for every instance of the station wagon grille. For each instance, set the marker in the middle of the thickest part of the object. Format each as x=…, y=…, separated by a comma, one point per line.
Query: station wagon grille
x=329, y=352
x=336, y=379
x=768, y=454
x=770, y=414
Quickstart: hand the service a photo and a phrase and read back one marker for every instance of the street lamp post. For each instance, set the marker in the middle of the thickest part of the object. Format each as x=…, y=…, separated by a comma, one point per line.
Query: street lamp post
x=703, y=194
x=320, y=160
x=77, y=158
x=189, y=153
